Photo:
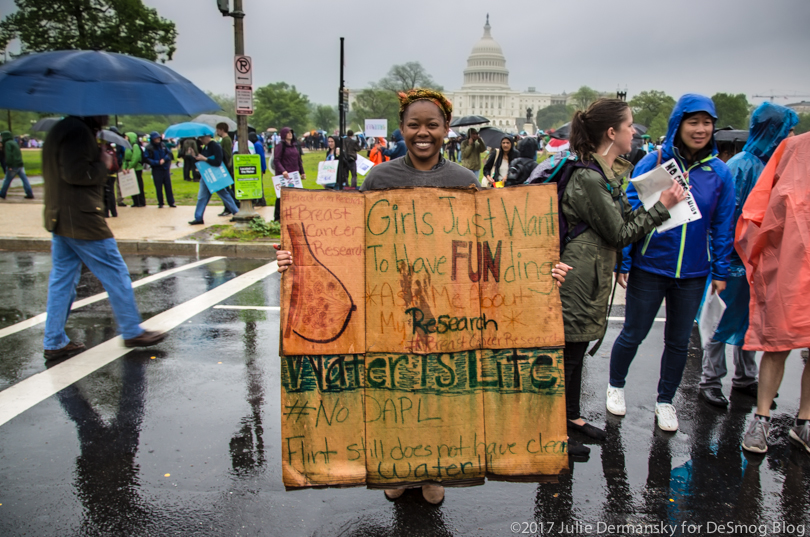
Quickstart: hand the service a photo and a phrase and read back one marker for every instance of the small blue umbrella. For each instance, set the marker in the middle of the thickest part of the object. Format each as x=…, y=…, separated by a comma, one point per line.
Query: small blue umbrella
x=94, y=83
x=188, y=130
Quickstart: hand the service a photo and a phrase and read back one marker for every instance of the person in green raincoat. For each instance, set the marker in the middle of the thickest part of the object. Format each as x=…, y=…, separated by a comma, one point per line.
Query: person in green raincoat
x=594, y=195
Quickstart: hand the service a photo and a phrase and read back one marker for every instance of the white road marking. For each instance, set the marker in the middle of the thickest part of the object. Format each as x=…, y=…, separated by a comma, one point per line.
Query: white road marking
x=39, y=319
x=262, y=308
x=33, y=390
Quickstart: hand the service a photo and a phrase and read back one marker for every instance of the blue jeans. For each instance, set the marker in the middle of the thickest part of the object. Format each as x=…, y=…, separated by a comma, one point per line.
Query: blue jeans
x=10, y=173
x=204, y=196
x=104, y=261
x=645, y=291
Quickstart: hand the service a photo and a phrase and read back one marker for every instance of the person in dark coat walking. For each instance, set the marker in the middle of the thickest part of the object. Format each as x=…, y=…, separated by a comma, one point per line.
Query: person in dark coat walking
x=158, y=156
x=211, y=154
x=75, y=171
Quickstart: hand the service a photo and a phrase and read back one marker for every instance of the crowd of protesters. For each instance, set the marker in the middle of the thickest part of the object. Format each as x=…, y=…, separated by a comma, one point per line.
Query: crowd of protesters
x=610, y=232
x=748, y=246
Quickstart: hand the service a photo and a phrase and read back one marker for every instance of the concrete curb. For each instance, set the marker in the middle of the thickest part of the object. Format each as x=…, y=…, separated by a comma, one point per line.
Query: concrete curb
x=250, y=250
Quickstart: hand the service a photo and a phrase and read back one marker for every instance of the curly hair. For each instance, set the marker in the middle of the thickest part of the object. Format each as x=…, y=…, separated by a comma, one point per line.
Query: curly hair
x=422, y=94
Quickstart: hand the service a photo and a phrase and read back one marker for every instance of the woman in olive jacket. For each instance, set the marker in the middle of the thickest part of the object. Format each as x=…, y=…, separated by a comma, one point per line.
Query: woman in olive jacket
x=598, y=136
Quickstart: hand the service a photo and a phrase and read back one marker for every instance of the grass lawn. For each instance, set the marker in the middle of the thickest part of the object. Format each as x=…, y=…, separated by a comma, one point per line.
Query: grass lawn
x=185, y=192
x=32, y=160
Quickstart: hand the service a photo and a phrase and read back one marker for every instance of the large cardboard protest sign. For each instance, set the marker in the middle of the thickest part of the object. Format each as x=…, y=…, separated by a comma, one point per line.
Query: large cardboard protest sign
x=418, y=337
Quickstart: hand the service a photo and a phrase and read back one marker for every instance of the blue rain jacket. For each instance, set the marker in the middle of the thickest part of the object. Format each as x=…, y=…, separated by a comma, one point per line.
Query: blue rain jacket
x=770, y=124
x=697, y=248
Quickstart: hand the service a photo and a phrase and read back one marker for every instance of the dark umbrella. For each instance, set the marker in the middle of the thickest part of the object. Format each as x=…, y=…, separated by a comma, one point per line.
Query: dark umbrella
x=468, y=120
x=492, y=137
x=45, y=124
x=113, y=138
x=730, y=135
x=95, y=83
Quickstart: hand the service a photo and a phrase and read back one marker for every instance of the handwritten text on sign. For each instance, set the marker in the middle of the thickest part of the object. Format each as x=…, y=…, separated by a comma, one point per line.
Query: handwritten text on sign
x=416, y=326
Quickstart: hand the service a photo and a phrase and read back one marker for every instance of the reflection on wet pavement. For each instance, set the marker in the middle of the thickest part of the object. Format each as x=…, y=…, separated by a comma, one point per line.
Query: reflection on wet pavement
x=185, y=439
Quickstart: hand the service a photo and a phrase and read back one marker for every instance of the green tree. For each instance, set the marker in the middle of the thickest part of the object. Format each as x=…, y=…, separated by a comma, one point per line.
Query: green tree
x=658, y=126
x=376, y=103
x=554, y=116
x=280, y=105
x=803, y=125
x=406, y=77
x=584, y=97
x=125, y=26
x=652, y=109
x=648, y=105
x=226, y=102
x=732, y=110
x=324, y=117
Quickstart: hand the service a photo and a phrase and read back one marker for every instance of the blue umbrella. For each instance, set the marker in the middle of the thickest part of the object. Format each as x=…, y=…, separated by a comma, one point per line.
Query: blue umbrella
x=94, y=83
x=188, y=130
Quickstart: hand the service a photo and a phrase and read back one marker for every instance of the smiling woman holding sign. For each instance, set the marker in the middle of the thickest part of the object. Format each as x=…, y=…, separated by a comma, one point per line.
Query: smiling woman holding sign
x=674, y=264
x=424, y=122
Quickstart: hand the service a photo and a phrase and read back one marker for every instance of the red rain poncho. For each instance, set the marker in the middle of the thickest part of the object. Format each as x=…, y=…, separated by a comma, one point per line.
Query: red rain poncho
x=773, y=241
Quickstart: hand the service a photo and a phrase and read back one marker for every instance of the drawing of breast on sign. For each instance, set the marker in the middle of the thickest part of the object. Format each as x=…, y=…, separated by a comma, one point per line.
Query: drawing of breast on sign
x=320, y=305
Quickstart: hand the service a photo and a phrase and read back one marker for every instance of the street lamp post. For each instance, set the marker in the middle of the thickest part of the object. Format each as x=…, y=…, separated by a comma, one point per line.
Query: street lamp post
x=246, y=211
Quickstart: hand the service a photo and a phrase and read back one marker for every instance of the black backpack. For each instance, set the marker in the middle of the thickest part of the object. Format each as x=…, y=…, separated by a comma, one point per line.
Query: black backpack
x=560, y=172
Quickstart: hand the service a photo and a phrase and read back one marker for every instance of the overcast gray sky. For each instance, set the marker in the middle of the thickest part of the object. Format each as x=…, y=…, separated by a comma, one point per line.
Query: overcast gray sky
x=704, y=46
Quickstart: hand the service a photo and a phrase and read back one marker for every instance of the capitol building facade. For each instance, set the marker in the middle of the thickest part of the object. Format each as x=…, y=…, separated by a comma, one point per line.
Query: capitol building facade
x=486, y=90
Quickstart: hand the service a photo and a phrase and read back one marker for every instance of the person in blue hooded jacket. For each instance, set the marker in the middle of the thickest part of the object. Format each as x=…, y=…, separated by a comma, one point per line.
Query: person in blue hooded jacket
x=770, y=124
x=399, y=148
x=675, y=264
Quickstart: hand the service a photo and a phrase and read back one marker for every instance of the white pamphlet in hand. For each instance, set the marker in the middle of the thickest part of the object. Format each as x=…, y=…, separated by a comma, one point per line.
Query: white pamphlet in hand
x=294, y=181
x=710, y=315
x=363, y=165
x=650, y=185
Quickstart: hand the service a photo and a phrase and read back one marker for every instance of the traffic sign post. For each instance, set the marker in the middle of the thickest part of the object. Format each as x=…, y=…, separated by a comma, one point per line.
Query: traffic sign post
x=243, y=71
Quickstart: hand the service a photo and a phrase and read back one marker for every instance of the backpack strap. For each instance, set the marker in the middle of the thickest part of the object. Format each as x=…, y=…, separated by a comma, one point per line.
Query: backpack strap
x=557, y=168
x=581, y=227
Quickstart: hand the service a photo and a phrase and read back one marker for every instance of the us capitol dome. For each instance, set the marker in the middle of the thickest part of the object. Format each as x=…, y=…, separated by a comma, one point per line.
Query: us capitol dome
x=486, y=90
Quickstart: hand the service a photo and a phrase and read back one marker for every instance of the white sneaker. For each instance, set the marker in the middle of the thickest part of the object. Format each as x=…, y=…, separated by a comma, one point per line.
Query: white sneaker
x=615, y=401
x=667, y=417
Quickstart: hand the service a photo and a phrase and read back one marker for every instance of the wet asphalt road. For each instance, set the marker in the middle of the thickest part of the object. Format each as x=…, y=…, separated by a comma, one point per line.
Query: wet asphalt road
x=184, y=438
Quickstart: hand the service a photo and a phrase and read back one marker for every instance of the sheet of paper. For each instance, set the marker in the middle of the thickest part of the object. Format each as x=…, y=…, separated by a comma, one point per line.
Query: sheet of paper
x=651, y=184
x=327, y=172
x=710, y=315
x=363, y=165
x=128, y=183
x=293, y=181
